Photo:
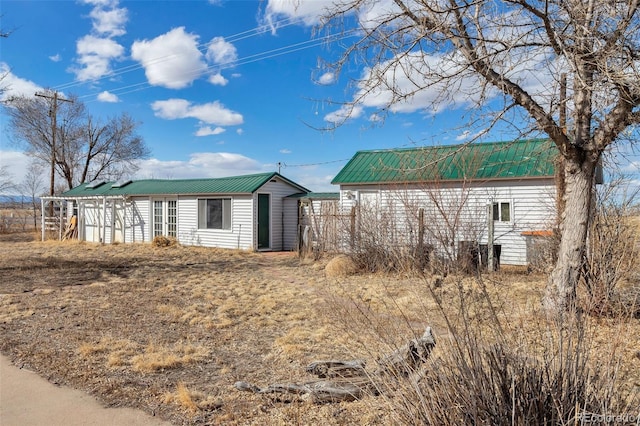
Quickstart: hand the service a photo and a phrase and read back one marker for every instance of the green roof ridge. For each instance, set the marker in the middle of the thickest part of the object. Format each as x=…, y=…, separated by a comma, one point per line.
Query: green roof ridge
x=241, y=184
x=522, y=158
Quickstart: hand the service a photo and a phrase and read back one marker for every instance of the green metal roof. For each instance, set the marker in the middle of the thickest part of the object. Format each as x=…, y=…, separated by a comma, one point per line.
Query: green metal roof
x=477, y=161
x=317, y=196
x=246, y=184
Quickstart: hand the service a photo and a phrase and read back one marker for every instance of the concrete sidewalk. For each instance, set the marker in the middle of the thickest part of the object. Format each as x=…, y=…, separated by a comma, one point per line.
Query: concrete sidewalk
x=27, y=399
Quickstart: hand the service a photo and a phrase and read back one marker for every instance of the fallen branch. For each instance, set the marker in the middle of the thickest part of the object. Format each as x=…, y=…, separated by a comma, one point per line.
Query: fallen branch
x=349, y=379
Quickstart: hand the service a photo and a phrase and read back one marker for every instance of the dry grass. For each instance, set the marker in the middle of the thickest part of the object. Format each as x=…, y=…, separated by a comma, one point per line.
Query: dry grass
x=170, y=329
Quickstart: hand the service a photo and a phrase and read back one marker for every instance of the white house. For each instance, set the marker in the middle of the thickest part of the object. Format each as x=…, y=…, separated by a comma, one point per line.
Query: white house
x=240, y=212
x=443, y=197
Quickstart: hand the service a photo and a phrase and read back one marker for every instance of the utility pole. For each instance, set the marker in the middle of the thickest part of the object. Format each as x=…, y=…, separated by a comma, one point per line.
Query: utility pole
x=559, y=172
x=53, y=113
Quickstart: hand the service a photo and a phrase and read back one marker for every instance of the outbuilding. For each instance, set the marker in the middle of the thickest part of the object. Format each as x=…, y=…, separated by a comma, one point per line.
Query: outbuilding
x=239, y=212
x=453, y=199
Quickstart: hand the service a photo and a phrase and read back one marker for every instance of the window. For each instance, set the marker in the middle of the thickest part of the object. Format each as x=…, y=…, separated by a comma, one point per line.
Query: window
x=172, y=218
x=214, y=213
x=158, y=218
x=502, y=212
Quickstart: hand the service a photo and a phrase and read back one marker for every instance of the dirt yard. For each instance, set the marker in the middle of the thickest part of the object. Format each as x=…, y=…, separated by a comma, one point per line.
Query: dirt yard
x=170, y=330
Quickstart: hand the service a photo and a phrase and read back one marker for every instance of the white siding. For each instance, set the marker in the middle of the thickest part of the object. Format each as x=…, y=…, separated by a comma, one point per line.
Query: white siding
x=290, y=217
x=240, y=236
x=138, y=223
x=453, y=214
x=135, y=219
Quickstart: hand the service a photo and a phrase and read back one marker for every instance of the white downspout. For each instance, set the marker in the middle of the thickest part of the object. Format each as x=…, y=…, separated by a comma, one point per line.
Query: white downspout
x=124, y=220
x=104, y=220
x=42, y=217
x=62, y=221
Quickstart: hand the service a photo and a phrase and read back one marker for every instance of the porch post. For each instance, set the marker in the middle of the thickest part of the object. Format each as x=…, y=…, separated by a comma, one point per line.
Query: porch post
x=42, y=217
x=104, y=220
x=62, y=221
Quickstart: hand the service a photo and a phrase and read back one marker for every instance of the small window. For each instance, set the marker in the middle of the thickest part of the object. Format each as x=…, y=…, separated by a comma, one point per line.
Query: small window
x=502, y=212
x=214, y=213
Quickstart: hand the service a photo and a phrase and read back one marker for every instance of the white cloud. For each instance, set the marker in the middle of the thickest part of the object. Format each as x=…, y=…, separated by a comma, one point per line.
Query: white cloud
x=463, y=136
x=170, y=60
x=221, y=52
x=343, y=114
x=109, y=22
x=285, y=151
x=107, y=97
x=14, y=85
x=306, y=11
x=199, y=165
x=95, y=57
x=218, y=80
x=56, y=57
x=327, y=78
x=102, y=3
x=97, y=50
x=400, y=85
x=632, y=167
x=98, y=46
x=208, y=131
x=240, y=131
x=376, y=118
x=403, y=88
x=211, y=113
x=17, y=164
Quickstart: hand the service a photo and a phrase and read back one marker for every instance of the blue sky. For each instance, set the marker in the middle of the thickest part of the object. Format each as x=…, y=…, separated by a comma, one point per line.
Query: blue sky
x=221, y=87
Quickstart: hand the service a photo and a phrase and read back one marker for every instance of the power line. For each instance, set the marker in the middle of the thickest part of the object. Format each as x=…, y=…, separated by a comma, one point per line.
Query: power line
x=280, y=51
x=202, y=46
x=285, y=165
x=235, y=37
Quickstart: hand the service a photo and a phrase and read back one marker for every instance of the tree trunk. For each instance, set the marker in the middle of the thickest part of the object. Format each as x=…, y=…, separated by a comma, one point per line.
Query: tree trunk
x=562, y=283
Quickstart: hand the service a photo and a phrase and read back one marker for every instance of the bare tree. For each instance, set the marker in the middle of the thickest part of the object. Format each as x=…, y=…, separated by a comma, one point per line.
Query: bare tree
x=6, y=180
x=505, y=59
x=45, y=127
x=83, y=148
x=33, y=186
x=3, y=73
x=111, y=149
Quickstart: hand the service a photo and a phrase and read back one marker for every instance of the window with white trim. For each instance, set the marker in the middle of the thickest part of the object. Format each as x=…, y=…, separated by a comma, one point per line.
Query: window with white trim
x=214, y=213
x=502, y=211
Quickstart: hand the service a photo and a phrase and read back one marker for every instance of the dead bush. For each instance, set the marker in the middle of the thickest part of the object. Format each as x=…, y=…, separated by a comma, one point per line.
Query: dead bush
x=613, y=250
x=162, y=241
x=340, y=266
x=490, y=368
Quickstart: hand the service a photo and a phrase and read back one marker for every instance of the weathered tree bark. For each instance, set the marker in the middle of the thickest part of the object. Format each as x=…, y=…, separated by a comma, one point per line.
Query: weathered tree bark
x=349, y=379
x=562, y=283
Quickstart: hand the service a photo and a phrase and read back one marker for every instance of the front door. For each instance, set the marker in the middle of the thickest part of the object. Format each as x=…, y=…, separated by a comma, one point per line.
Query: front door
x=264, y=221
x=165, y=218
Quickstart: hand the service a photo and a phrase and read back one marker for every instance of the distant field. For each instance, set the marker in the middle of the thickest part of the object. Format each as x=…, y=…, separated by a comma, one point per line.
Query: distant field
x=170, y=330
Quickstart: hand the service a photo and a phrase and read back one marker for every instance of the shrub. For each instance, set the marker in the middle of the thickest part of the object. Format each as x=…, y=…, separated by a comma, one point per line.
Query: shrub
x=494, y=367
x=491, y=372
x=613, y=250
x=340, y=266
x=162, y=241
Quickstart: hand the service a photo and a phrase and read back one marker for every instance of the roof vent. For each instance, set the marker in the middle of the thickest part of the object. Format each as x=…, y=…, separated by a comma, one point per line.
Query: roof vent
x=121, y=183
x=95, y=184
